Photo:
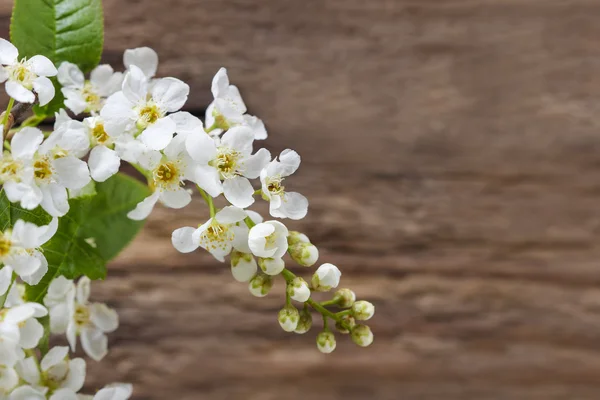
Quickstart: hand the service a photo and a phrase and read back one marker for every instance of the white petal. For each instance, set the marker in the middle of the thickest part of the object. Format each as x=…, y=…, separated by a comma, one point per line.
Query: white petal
x=230, y=215
x=72, y=172
x=105, y=318
x=26, y=393
x=149, y=159
x=42, y=66
x=69, y=75
x=238, y=191
x=64, y=394
x=257, y=126
x=220, y=83
x=31, y=333
x=208, y=179
x=26, y=142
x=170, y=93
x=135, y=85
x=28, y=371
x=201, y=147
x=144, y=208
x=186, y=123
x=29, y=235
x=44, y=89
x=36, y=276
x=8, y=52
x=290, y=161
x=59, y=318
x=23, y=264
x=182, y=240
x=54, y=356
x=105, y=81
x=144, y=58
x=245, y=269
x=118, y=114
x=5, y=279
x=72, y=336
x=76, y=376
x=18, y=92
x=255, y=163
x=83, y=290
x=74, y=100
x=94, y=343
x=239, y=138
x=103, y=163
x=176, y=198
x=158, y=135
x=240, y=238
x=3, y=74
x=293, y=206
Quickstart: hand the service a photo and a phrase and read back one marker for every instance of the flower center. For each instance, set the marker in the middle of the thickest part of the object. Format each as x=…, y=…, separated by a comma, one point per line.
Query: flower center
x=166, y=174
x=21, y=73
x=81, y=316
x=216, y=236
x=99, y=134
x=42, y=170
x=9, y=168
x=93, y=100
x=147, y=115
x=226, y=162
x=274, y=185
x=5, y=244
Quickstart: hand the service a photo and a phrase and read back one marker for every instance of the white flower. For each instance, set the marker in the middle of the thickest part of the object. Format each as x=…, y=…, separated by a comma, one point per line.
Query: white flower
x=116, y=391
x=103, y=161
x=363, y=310
x=19, y=329
x=298, y=290
x=91, y=321
x=288, y=318
x=19, y=252
x=26, y=76
x=15, y=295
x=283, y=204
x=362, y=335
x=219, y=235
x=169, y=171
x=229, y=159
x=228, y=109
x=56, y=370
x=87, y=96
x=326, y=277
x=40, y=173
x=9, y=379
x=144, y=58
x=243, y=266
x=326, y=342
x=268, y=239
x=143, y=110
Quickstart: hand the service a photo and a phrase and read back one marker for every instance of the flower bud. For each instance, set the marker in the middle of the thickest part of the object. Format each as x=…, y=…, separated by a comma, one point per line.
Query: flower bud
x=297, y=237
x=271, y=266
x=243, y=266
x=362, y=335
x=260, y=285
x=305, y=322
x=326, y=342
x=348, y=322
x=363, y=310
x=288, y=318
x=305, y=254
x=298, y=290
x=326, y=277
x=344, y=298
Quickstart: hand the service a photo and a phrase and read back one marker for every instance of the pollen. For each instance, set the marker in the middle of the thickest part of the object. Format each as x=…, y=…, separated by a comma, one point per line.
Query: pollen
x=99, y=134
x=81, y=316
x=216, y=236
x=21, y=73
x=5, y=244
x=226, y=162
x=148, y=115
x=274, y=185
x=42, y=169
x=9, y=168
x=166, y=174
x=93, y=100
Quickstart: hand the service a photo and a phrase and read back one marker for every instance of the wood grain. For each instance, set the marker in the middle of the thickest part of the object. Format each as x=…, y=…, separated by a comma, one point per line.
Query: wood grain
x=452, y=158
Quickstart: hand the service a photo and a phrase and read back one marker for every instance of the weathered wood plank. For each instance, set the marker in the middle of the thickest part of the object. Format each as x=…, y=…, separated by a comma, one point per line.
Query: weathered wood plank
x=450, y=153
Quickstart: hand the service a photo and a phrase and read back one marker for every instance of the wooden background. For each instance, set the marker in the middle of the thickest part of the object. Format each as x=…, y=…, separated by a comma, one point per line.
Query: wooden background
x=451, y=153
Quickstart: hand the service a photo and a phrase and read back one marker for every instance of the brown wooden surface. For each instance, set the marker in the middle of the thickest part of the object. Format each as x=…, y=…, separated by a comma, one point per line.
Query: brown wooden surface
x=451, y=153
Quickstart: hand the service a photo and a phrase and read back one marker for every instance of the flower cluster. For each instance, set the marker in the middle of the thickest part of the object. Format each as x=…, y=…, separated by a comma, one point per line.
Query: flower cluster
x=135, y=117
x=51, y=373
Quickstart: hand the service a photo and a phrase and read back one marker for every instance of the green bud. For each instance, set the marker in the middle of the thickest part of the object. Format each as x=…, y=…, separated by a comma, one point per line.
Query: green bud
x=288, y=318
x=362, y=335
x=271, y=266
x=243, y=266
x=348, y=321
x=305, y=254
x=298, y=290
x=344, y=298
x=305, y=322
x=326, y=342
x=260, y=285
x=363, y=310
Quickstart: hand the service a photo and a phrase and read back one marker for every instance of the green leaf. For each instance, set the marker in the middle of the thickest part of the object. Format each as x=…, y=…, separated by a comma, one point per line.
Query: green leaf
x=107, y=223
x=62, y=30
x=94, y=231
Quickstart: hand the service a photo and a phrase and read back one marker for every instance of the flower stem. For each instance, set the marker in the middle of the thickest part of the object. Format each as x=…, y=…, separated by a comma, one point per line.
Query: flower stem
x=5, y=295
x=249, y=223
x=208, y=199
x=11, y=103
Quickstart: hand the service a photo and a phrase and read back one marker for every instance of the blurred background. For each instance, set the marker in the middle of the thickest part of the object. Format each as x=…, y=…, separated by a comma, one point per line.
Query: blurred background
x=451, y=155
